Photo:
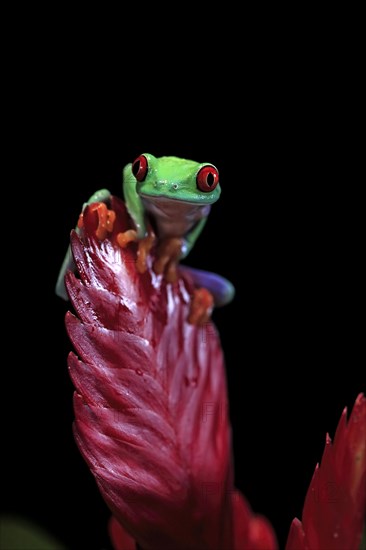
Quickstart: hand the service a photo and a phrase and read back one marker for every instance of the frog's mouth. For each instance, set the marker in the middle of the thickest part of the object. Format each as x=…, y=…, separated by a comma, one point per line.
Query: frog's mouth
x=173, y=209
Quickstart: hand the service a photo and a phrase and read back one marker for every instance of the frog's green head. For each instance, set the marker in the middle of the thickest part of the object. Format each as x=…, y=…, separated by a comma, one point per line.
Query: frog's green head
x=174, y=178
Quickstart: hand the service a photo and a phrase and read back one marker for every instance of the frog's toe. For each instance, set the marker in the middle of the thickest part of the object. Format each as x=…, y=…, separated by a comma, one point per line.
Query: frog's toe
x=201, y=307
x=126, y=237
x=145, y=245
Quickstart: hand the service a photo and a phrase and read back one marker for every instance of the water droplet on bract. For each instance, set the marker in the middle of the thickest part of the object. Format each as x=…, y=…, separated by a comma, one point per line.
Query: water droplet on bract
x=335, y=535
x=139, y=372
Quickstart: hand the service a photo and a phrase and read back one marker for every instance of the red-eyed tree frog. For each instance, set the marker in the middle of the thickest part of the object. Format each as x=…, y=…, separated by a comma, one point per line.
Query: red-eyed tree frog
x=168, y=199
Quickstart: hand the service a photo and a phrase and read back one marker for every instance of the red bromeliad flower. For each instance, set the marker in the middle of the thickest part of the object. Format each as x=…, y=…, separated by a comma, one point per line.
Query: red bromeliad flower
x=151, y=410
x=335, y=504
x=151, y=414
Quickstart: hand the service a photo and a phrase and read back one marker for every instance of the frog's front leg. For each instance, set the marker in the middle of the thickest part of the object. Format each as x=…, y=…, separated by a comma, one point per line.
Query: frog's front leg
x=145, y=244
x=167, y=255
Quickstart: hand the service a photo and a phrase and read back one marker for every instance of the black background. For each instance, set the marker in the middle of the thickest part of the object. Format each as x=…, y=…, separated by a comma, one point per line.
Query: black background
x=286, y=231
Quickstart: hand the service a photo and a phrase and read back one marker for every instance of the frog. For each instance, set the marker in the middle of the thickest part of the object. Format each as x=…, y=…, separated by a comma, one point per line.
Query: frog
x=169, y=200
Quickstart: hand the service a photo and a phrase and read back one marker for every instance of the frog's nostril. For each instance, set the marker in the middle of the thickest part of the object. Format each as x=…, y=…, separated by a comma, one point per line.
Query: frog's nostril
x=175, y=186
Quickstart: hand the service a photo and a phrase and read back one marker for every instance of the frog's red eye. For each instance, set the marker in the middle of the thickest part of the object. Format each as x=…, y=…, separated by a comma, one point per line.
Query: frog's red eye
x=140, y=167
x=207, y=179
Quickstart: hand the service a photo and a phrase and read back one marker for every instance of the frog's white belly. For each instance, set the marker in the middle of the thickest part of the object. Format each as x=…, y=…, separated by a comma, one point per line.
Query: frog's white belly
x=174, y=218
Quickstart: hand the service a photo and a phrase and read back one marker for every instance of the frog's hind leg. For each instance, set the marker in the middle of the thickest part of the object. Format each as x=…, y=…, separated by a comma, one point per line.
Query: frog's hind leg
x=221, y=289
x=103, y=195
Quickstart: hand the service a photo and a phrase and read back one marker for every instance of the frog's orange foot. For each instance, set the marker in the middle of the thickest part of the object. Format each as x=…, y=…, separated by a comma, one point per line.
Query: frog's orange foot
x=201, y=307
x=129, y=236
x=167, y=257
x=105, y=219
